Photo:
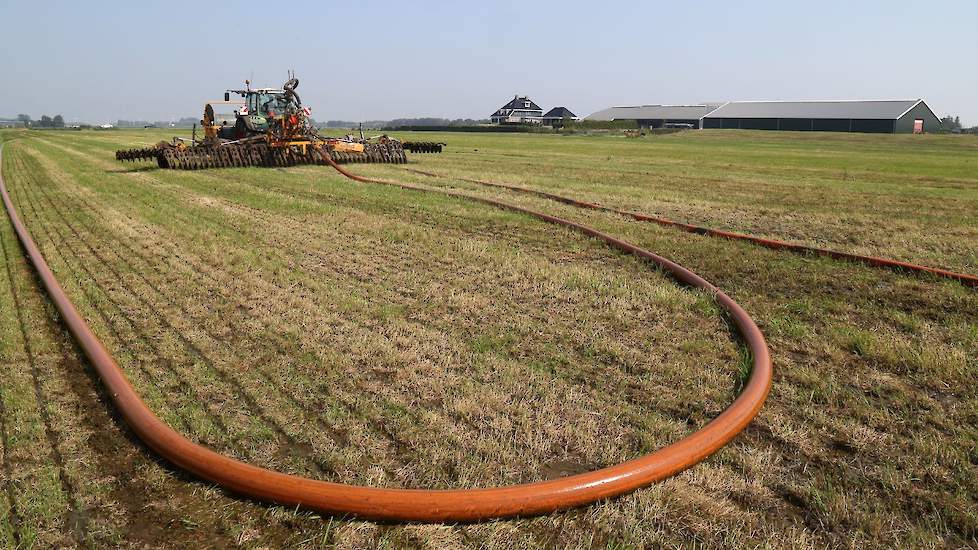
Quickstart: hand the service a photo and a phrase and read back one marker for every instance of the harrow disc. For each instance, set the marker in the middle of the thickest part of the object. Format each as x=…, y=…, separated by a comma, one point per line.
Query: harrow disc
x=137, y=154
x=423, y=146
x=262, y=154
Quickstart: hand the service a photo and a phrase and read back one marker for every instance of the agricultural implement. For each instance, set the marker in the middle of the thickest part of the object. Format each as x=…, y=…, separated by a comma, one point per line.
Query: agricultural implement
x=271, y=128
x=423, y=146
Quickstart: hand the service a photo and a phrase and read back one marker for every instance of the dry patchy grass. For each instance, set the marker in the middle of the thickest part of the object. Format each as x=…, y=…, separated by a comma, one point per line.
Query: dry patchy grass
x=363, y=334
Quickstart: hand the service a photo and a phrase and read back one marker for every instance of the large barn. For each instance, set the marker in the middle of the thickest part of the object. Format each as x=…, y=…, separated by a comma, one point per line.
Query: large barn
x=877, y=116
x=657, y=116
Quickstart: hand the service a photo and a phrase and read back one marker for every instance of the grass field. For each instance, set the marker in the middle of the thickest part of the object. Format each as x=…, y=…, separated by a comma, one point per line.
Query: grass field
x=365, y=334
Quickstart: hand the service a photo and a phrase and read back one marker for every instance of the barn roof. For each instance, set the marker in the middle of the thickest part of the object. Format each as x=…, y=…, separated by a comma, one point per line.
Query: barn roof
x=652, y=112
x=865, y=109
x=559, y=112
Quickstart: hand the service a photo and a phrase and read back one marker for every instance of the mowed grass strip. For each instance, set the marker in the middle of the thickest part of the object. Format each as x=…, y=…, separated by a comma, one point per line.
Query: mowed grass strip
x=43, y=503
x=118, y=496
x=214, y=380
x=402, y=346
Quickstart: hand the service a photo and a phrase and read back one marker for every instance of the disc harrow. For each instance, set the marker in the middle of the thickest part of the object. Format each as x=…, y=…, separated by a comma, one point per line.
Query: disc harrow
x=236, y=155
x=271, y=127
x=137, y=154
x=424, y=146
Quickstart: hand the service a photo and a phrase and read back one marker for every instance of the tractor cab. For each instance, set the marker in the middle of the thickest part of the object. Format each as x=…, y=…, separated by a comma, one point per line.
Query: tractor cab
x=260, y=105
x=265, y=108
x=269, y=103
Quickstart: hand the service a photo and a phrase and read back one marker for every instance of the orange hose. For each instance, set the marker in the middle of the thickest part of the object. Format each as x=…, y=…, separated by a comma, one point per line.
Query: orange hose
x=419, y=504
x=963, y=278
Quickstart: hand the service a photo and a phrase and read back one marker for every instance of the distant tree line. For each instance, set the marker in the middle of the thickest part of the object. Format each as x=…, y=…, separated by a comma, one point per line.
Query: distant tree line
x=185, y=122
x=431, y=121
x=45, y=122
x=403, y=122
x=951, y=123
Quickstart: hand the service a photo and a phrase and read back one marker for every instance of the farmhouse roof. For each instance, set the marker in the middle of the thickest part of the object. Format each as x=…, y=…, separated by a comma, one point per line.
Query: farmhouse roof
x=559, y=112
x=519, y=102
x=855, y=109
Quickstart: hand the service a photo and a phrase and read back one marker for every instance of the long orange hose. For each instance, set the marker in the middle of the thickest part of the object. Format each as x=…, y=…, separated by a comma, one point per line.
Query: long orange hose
x=420, y=504
x=963, y=278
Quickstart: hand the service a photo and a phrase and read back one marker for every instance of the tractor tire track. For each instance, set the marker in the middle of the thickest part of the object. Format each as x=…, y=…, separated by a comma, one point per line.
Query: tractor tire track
x=142, y=510
x=171, y=371
x=74, y=518
x=262, y=357
x=225, y=377
x=115, y=449
x=157, y=382
x=219, y=286
x=142, y=338
x=338, y=436
x=15, y=520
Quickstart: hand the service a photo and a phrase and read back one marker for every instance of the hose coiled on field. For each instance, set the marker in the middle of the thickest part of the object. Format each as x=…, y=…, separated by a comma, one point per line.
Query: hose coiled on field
x=419, y=504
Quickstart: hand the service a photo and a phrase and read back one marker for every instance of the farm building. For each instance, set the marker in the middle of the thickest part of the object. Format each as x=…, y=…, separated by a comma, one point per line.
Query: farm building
x=881, y=116
x=520, y=110
x=656, y=116
x=557, y=116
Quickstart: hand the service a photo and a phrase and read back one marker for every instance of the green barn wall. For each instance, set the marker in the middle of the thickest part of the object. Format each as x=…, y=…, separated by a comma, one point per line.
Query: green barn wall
x=904, y=125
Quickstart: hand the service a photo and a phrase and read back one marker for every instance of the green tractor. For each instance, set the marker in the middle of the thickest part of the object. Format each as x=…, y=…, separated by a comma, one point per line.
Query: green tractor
x=271, y=128
x=263, y=110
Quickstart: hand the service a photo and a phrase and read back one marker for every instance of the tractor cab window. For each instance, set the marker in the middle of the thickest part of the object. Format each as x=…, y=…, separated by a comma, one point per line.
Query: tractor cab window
x=270, y=104
x=253, y=103
x=277, y=105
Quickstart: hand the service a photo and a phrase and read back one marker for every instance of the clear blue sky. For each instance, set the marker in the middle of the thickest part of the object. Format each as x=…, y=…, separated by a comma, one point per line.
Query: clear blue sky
x=355, y=60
